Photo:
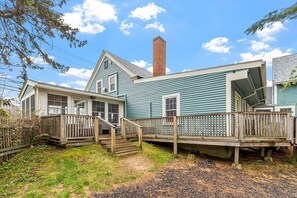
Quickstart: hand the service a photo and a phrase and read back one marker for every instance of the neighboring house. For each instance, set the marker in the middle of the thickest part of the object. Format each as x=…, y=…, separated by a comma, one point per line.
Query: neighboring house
x=39, y=99
x=229, y=88
x=137, y=93
x=284, y=99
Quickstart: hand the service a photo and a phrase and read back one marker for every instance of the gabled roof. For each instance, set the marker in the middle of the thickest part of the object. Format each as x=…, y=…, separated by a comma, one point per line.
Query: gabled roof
x=138, y=71
x=43, y=85
x=282, y=68
x=132, y=70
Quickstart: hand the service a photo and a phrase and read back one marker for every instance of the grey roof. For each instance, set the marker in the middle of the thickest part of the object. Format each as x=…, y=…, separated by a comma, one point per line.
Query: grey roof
x=282, y=68
x=268, y=99
x=138, y=71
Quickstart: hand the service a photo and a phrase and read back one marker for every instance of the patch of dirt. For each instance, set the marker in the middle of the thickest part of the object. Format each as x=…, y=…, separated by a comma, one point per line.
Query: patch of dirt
x=138, y=163
x=210, y=177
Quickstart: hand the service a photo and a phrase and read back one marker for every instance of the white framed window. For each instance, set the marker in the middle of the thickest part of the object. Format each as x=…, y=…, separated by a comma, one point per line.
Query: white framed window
x=286, y=109
x=99, y=86
x=171, y=105
x=112, y=83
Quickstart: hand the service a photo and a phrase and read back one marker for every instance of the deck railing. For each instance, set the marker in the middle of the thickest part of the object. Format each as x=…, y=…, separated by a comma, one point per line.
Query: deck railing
x=156, y=126
x=64, y=128
x=265, y=125
x=240, y=126
x=112, y=134
x=131, y=129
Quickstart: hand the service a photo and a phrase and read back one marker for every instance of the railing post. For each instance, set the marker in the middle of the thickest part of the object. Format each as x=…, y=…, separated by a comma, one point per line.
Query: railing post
x=63, y=138
x=113, y=140
x=175, y=135
x=96, y=129
x=140, y=136
x=123, y=128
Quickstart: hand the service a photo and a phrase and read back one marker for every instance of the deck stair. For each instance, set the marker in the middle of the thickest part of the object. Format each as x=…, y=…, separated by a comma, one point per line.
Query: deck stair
x=123, y=146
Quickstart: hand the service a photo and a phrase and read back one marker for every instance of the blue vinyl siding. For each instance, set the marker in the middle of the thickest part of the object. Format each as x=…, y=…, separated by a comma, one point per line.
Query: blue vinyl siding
x=287, y=97
x=198, y=94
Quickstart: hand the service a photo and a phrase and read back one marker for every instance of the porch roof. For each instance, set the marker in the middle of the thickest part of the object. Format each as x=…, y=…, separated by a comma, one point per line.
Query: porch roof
x=253, y=88
x=42, y=85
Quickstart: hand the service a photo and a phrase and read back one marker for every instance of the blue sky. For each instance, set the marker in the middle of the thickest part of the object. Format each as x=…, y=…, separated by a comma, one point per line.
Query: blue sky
x=199, y=34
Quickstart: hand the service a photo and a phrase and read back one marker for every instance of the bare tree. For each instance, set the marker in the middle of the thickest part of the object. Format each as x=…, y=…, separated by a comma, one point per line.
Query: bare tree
x=26, y=26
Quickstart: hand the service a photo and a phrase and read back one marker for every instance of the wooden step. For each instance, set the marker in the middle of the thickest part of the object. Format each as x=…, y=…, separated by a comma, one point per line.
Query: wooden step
x=118, y=145
x=127, y=150
x=109, y=141
x=127, y=153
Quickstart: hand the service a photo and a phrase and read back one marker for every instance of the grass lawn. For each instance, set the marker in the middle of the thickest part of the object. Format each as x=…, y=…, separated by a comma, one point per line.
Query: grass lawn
x=47, y=171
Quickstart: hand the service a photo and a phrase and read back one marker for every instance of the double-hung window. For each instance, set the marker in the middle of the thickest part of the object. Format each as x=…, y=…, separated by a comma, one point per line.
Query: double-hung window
x=171, y=105
x=99, y=86
x=112, y=81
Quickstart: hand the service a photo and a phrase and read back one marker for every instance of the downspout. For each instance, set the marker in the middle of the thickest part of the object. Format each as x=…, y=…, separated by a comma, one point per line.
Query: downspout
x=125, y=105
x=252, y=84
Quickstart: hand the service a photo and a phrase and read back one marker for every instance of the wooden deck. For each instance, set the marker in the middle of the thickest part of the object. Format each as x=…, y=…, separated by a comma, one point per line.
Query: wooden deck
x=238, y=130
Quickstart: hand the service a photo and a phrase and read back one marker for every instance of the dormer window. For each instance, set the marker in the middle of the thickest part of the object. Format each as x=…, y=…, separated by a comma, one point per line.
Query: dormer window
x=112, y=81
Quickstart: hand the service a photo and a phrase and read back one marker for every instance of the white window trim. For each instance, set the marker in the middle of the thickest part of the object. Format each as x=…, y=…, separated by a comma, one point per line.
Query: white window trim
x=116, y=82
x=97, y=86
x=177, y=95
x=277, y=108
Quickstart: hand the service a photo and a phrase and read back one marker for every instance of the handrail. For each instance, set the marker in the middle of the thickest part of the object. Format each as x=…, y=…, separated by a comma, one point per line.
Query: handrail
x=123, y=126
x=132, y=122
x=108, y=123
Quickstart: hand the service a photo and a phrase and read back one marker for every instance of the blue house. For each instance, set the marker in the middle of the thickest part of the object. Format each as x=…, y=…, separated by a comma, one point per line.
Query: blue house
x=229, y=88
x=284, y=100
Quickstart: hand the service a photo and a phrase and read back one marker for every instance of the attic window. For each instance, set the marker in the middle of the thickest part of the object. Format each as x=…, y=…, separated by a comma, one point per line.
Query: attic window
x=106, y=64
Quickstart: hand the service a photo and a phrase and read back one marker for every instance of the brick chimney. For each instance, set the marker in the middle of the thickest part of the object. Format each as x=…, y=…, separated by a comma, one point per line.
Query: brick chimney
x=159, y=56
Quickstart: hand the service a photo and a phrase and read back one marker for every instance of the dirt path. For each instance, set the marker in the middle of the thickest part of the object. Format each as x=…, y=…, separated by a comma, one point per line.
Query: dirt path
x=205, y=179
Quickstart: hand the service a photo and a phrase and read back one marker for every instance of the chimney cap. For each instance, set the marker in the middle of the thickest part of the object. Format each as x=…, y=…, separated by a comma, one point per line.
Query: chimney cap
x=159, y=37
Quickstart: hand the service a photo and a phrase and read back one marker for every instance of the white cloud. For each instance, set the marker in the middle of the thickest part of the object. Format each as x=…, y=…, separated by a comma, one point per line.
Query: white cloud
x=80, y=73
x=266, y=56
x=269, y=83
x=82, y=83
x=156, y=25
x=125, y=27
x=64, y=85
x=148, y=12
x=150, y=69
x=39, y=60
x=52, y=83
x=185, y=70
x=241, y=40
x=217, y=45
x=267, y=34
x=259, y=46
x=89, y=16
x=141, y=63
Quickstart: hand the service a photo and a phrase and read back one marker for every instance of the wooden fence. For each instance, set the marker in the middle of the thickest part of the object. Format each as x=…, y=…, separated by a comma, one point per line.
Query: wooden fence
x=69, y=129
x=16, y=135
